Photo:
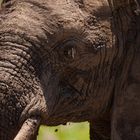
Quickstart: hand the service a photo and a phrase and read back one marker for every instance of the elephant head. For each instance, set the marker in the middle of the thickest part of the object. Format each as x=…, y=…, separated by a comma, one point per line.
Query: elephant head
x=57, y=62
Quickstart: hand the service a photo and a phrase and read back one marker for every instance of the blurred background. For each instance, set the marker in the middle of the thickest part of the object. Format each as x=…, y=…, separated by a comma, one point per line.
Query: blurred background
x=71, y=131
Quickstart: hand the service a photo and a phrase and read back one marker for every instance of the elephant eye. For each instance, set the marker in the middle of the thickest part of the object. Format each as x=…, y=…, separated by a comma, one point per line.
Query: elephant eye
x=69, y=50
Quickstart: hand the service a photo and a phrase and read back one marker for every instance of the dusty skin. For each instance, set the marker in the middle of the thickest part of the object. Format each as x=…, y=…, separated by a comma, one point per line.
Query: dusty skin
x=70, y=61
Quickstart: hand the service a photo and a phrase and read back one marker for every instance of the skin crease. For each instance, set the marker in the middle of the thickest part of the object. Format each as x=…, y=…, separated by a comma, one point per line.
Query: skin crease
x=57, y=62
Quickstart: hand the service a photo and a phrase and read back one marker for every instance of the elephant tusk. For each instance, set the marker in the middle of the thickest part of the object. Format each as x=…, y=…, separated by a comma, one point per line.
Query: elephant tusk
x=29, y=129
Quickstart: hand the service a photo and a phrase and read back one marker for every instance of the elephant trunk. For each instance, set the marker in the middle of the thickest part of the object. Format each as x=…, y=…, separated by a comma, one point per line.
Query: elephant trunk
x=20, y=90
x=21, y=54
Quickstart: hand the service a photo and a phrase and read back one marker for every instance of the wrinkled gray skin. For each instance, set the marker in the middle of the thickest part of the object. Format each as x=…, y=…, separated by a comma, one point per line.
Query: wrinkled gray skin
x=58, y=62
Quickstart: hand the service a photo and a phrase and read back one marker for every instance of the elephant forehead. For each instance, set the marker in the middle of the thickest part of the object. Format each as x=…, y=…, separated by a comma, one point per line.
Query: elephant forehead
x=67, y=11
x=72, y=12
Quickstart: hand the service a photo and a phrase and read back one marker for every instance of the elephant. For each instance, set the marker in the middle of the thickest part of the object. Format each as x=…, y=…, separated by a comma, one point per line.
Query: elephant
x=59, y=63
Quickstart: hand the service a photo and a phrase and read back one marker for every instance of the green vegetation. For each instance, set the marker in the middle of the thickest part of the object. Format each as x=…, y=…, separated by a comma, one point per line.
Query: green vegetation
x=73, y=131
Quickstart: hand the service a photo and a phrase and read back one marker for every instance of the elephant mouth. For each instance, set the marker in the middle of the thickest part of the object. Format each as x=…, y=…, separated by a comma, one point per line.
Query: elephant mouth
x=63, y=119
x=69, y=108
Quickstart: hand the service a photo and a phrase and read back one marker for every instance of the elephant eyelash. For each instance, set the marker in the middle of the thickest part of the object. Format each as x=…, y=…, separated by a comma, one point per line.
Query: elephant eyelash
x=67, y=51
